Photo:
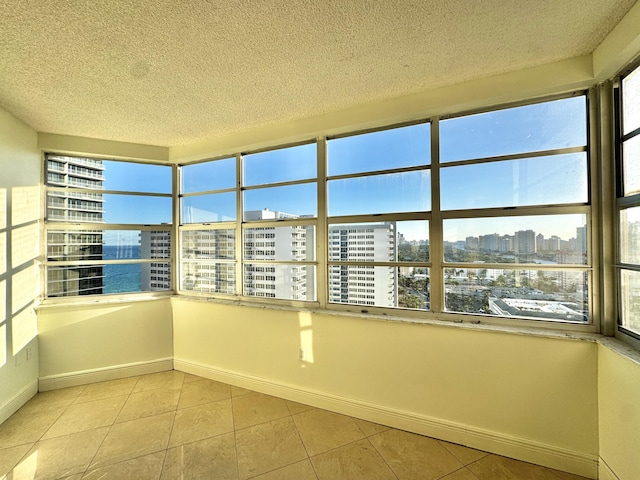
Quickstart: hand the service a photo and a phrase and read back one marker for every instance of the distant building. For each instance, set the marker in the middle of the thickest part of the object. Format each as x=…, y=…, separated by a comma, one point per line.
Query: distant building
x=525, y=241
x=489, y=242
x=471, y=243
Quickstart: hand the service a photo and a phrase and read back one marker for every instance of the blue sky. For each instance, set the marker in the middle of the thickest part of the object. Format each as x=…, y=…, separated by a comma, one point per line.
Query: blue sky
x=552, y=179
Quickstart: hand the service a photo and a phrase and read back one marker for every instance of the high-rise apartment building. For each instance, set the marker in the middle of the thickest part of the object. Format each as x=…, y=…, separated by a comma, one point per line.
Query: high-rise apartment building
x=363, y=284
x=155, y=276
x=525, y=241
x=290, y=243
x=64, y=173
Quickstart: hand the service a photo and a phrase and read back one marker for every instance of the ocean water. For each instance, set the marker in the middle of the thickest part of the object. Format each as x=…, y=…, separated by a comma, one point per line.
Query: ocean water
x=121, y=278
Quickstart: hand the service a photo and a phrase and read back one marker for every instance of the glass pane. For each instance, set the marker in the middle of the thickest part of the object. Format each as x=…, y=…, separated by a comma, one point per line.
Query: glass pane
x=289, y=282
x=209, y=244
x=370, y=285
x=630, y=300
x=217, y=207
x=535, y=294
x=75, y=207
x=383, y=150
x=291, y=201
x=380, y=242
x=631, y=165
x=556, y=179
x=214, y=175
x=530, y=128
x=136, y=209
x=76, y=172
x=631, y=101
x=389, y=193
x=137, y=177
x=543, y=239
x=283, y=165
x=106, y=279
x=630, y=235
x=290, y=243
x=91, y=173
x=209, y=277
x=71, y=245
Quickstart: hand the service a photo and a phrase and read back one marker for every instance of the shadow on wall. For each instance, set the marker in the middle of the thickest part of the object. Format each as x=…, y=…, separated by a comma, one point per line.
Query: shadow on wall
x=19, y=276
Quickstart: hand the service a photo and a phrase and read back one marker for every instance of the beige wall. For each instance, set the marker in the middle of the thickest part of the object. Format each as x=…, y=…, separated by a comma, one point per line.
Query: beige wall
x=510, y=388
x=85, y=339
x=619, y=410
x=19, y=245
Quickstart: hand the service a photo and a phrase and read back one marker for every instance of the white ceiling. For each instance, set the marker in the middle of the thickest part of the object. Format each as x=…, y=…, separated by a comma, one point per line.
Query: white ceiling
x=171, y=72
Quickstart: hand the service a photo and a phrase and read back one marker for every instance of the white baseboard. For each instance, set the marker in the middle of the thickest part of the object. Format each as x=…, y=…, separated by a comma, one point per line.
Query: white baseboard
x=12, y=405
x=85, y=377
x=605, y=472
x=495, y=442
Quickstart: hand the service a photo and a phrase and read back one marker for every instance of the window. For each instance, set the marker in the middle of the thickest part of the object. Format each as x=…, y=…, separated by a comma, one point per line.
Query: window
x=379, y=202
x=208, y=227
x=628, y=204
x=515, y=212
x=280, y=204
x=277, y=201
x=485, y=214
x=108, y=225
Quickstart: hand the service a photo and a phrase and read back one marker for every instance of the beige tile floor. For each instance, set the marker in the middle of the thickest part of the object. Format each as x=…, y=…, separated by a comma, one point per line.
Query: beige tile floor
x=172, y=425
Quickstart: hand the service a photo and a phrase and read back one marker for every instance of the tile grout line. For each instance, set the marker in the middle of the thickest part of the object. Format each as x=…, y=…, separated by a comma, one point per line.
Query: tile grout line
x=464, y=467
x=173, y=423
x=315, y=472
x=110, y=427
x=39, y=439
x=235, y=438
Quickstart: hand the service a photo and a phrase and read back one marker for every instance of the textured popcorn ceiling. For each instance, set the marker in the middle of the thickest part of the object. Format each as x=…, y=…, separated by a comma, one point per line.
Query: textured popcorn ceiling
x=172, y=72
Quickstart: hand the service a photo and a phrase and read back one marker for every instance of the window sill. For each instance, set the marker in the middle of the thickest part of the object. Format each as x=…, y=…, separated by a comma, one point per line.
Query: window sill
x=544, y=332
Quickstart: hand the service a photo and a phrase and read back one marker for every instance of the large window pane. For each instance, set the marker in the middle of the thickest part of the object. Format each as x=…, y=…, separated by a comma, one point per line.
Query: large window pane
x=631, y=166
x=108, y=279
x=530, y=128
x=287, y=243
x=630, y=235
x=405, y=241
x=544, y=239
x=379, y=286
x=557, y=179
x=137, y=177
x=383, y=150
x=208, y=277
x=388, y=193
x=209, y=244
x=283, y=165
x=630, y=300
x=557, y=295
x=291, y=201
x=69, y=245
x=631, y=101
x=214, y=175
x=217, y=207
x=75, y=207
x=137, y=209
x=288, y=282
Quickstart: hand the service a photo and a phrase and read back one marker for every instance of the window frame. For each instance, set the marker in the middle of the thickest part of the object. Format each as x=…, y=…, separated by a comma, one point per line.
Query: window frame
x=593, y=324
x=435, y=217
x=70, y=226
x=622, y=202
x=322, y=223
x=369, y=218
